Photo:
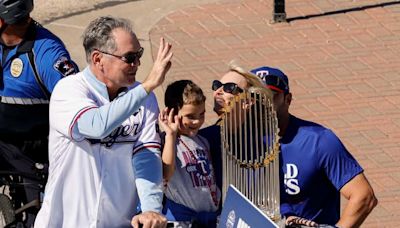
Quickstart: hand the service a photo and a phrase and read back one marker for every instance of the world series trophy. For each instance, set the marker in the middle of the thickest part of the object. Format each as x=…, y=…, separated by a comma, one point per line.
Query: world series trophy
x=250, y=145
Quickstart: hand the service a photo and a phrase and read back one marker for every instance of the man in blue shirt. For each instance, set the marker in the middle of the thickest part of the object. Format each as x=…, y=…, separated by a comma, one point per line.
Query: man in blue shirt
x=316, y=166
x=32, y=61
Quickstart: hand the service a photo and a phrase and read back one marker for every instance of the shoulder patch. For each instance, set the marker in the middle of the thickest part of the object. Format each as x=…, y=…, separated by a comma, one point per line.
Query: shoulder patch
x=64, y=66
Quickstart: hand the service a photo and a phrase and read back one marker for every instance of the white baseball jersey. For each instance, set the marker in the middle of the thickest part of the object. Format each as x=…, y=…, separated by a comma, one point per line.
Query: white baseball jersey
x=91, y=182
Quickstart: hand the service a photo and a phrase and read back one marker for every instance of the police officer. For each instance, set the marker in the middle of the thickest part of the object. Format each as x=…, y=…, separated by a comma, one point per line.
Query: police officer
x=32, y=61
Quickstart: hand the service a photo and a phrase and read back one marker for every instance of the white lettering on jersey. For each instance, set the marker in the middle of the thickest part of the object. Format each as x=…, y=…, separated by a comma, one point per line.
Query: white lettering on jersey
x=291, y=181
x=203, y=164
x=242, y=224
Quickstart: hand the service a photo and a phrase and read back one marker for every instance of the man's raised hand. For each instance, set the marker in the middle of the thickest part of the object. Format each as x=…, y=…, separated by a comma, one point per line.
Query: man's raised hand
x=161, y=66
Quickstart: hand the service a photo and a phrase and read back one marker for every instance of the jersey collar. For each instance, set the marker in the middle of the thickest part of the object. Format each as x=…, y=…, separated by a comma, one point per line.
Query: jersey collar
x=99, y=86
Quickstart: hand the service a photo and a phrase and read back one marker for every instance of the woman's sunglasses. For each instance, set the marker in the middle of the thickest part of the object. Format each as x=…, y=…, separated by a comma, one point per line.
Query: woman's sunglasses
x=228, y=87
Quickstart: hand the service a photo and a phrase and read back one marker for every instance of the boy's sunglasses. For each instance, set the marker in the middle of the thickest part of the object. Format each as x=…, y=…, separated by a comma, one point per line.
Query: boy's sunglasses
x=228, y=87
x=130, y=57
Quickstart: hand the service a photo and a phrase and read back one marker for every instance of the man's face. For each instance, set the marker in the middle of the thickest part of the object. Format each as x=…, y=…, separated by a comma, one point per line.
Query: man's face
x=223, y=98
x=281, y=103
x=117, y=72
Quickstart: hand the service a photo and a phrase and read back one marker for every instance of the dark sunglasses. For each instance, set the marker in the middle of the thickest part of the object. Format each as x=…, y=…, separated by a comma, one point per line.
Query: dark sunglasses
x=228, y=87
x=130, y=57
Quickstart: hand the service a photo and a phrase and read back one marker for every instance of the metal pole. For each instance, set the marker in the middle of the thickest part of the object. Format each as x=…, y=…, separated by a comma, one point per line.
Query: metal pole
x=279, y=11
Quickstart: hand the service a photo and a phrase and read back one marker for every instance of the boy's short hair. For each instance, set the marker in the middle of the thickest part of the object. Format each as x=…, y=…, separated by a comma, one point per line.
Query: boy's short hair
x=183, y=92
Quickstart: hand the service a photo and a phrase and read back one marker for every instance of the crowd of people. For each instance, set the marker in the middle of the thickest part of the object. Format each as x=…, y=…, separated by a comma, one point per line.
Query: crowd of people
x=109, y=163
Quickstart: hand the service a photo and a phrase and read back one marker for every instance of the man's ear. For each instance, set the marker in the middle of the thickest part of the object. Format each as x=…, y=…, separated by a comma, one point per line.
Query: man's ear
x=288, y=98
x=96, y=58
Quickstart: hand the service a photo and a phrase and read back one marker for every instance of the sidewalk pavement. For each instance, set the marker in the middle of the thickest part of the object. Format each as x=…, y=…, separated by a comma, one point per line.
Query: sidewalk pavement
x=343, y=67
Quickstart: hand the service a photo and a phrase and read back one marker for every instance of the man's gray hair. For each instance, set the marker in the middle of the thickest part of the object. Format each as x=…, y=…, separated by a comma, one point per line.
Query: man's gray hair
x=98, y=35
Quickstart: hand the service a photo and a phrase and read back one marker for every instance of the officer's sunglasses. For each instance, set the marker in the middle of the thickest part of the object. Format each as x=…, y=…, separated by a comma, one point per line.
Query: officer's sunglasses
x=130, y=57
x=228, y=87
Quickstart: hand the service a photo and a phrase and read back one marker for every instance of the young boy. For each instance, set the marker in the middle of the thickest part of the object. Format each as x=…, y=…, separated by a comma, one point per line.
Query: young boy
x=191, y=192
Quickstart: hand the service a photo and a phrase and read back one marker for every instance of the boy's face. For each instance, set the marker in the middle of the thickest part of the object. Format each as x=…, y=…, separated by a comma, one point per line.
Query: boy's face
x=191, y=118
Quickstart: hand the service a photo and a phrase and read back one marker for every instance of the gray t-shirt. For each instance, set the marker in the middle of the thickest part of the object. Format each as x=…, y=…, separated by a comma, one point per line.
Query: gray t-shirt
x=193, y=183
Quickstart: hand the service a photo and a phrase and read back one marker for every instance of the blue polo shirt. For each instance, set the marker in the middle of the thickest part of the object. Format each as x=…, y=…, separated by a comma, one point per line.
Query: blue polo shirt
x=315, y=166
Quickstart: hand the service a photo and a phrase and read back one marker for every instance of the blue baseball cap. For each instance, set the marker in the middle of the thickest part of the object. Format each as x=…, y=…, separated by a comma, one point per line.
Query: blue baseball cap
x=273, y=78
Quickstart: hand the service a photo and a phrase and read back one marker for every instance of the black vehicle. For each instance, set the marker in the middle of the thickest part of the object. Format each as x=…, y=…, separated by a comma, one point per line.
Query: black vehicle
x=12, y=195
